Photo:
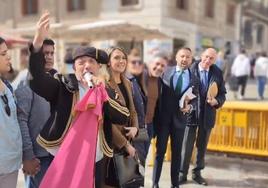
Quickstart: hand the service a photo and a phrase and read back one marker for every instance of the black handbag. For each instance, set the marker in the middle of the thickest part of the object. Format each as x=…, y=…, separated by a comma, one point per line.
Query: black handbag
x=142, y=136
x=130, y=172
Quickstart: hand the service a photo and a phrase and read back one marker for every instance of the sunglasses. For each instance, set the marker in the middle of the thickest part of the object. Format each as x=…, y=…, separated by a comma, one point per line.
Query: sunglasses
x=136, y=62
x=7, y=108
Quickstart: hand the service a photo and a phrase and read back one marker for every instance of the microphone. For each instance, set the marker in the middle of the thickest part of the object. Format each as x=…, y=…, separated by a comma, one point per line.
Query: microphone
x=88, y=77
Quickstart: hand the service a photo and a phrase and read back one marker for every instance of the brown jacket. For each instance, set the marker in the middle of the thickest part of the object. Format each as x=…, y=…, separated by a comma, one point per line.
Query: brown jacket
x=119, y=139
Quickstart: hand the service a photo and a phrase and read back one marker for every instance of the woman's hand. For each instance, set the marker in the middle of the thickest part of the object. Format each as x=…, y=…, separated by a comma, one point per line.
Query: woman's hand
x=130, y=150
x=131, y=132
x=42, y=28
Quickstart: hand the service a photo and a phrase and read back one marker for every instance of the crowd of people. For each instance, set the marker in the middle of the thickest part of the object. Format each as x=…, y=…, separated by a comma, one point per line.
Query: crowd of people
x=93, y=127
x=238, y=70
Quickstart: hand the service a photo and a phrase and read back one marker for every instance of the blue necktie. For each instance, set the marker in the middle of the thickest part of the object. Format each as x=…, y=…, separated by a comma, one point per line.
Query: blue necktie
x=204, y=81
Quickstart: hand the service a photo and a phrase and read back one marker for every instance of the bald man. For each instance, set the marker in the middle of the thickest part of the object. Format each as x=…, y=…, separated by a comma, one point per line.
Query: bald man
x=207, y=73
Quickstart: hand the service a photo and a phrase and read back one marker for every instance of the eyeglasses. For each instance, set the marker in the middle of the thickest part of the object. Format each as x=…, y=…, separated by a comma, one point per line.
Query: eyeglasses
x=136, y=62
x=5, y=100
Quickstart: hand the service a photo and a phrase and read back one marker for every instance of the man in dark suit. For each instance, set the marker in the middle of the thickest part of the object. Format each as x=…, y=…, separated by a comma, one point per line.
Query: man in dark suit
x=208, y=74
x=171, y=120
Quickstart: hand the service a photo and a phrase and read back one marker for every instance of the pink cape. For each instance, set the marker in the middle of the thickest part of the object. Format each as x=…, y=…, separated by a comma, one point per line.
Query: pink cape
x=73, y=166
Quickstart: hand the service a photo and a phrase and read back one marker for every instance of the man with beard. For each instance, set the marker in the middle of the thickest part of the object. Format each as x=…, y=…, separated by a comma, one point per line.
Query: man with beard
x=171, y=119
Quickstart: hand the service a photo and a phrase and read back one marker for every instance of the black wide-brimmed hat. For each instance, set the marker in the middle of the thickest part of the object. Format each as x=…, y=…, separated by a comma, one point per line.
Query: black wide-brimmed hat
x=99, y=55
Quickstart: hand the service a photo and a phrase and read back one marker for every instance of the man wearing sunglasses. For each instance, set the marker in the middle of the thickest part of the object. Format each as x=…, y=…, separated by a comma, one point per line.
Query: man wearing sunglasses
x=10, y=136
x=134, y=73
x=33, y=112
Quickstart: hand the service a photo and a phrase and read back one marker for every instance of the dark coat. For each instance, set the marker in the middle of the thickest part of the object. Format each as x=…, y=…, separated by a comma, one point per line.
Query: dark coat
x=119, y=138
x=62, y=92
x=207, y=113
x=139, y=99
x=168, y=103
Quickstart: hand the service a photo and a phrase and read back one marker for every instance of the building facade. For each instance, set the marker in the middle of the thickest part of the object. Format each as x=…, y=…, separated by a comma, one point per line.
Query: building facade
x=194, y=23
x=254, y=25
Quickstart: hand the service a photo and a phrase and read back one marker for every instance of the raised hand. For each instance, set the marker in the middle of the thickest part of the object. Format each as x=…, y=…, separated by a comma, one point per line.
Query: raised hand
x=42, y=29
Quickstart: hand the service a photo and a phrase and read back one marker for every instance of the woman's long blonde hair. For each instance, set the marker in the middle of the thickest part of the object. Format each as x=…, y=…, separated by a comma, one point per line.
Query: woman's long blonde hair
x=104, y=73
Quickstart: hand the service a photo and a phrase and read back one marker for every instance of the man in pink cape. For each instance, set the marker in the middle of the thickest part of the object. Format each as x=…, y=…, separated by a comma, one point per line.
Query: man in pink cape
x=76, y=112
x=73, y=166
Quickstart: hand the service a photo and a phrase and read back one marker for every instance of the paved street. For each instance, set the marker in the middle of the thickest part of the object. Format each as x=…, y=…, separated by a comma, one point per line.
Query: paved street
x=251, y=92
x=221, y=171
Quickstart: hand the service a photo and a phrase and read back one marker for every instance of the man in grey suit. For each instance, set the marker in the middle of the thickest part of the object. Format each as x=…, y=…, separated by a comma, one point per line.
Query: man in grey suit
x=170, y=118
x=207, y=73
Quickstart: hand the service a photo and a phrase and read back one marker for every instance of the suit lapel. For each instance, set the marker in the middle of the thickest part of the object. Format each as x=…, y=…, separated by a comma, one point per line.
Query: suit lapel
x=211, y=77
x=127, y=85
x=168, y=76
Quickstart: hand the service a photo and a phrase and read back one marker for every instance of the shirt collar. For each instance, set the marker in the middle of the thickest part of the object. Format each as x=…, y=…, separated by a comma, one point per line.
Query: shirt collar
x=179, y=69
x=201, y=69
x=129, y=76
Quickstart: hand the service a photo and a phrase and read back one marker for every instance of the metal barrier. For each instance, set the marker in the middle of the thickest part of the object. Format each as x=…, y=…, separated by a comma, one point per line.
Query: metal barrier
x=241, y=127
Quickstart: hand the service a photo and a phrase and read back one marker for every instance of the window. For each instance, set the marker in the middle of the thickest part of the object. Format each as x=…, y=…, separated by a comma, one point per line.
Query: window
x=259, y=34
x=29, y=7
x=182, y=4
x=209, y=8
x=248, y=39
x=129, y=2
x=73, y=5
x=230, y=14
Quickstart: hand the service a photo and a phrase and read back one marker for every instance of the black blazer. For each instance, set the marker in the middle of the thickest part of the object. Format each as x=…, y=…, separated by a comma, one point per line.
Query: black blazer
x=168, y=103
x=207, y=113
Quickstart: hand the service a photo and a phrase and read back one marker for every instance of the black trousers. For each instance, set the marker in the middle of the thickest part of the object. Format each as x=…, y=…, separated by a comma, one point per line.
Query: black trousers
x=99, y=174
x=176, y=135
x=242, y=80
x=189, y=139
